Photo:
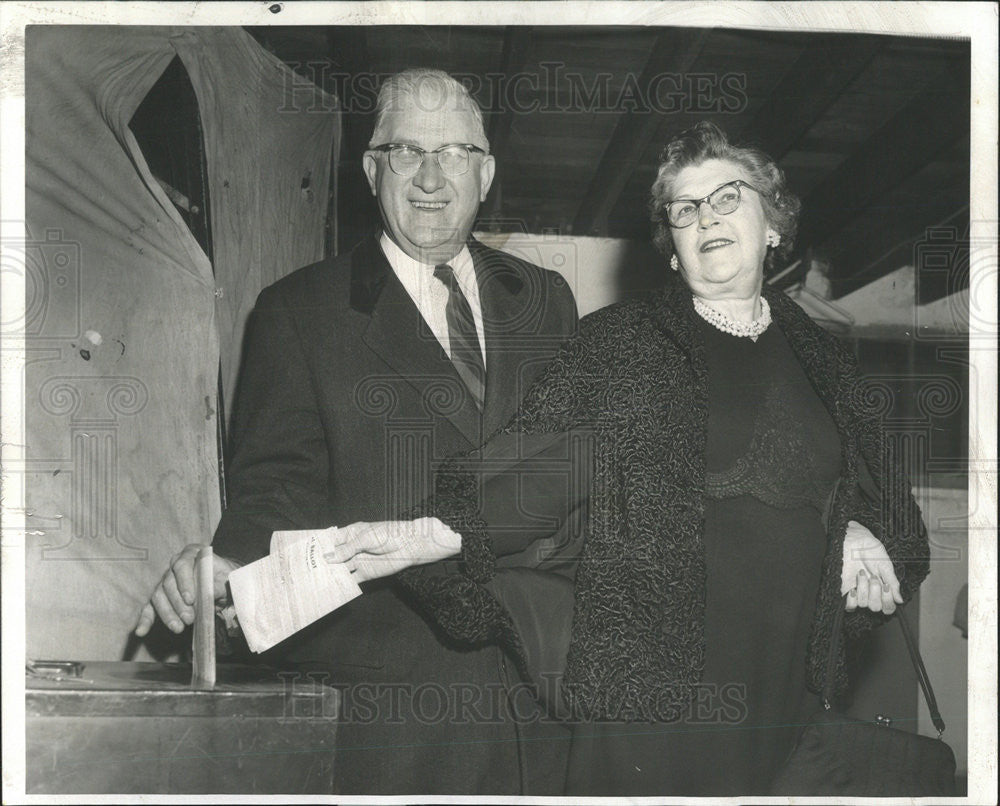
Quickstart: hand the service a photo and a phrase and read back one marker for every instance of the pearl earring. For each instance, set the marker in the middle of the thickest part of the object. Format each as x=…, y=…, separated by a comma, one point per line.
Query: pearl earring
x=773, y=239
x=675, y=264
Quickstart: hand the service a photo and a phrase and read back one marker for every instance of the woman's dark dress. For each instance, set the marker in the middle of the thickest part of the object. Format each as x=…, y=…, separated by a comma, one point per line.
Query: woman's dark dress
x=773, y=456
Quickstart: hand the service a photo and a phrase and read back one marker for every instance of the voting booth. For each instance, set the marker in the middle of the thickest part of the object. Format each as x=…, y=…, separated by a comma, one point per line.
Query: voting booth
x=138, y=290
x=143, y=256
x=125, y=728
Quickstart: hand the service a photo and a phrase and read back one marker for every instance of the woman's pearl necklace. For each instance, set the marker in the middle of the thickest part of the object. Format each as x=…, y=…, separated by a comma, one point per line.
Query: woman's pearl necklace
x=719, y=320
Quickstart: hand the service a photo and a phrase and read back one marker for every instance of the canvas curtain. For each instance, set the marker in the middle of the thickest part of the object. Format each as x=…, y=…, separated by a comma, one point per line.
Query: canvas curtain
x=126, y=321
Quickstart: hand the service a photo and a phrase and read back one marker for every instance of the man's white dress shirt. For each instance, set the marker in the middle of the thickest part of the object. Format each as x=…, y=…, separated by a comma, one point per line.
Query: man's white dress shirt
x=430, y=295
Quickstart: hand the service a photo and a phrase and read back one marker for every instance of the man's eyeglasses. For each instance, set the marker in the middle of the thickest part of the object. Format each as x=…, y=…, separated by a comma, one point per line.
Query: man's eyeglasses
x=406, y=160
x=724, y=200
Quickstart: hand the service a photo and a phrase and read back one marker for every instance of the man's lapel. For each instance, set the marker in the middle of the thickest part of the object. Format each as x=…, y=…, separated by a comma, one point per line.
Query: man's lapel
x=398, y=334
x=507, y=321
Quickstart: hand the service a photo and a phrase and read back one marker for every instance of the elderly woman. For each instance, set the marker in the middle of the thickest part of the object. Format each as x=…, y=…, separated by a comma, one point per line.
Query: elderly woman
x=740, y=479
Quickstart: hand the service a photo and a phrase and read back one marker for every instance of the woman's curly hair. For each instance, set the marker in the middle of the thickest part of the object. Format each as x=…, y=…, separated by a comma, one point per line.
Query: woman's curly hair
x=706, y=141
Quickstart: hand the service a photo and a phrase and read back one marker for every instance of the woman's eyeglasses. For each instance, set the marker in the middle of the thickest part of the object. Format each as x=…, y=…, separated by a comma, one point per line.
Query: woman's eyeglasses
x=723, y=200
x=405, y=160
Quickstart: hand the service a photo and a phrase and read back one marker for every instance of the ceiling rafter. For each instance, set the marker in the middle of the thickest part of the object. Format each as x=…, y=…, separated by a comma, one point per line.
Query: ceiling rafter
x=898, y=237
x=675, y=50
x=517, y=42
x=816, y=79
x=919, y=132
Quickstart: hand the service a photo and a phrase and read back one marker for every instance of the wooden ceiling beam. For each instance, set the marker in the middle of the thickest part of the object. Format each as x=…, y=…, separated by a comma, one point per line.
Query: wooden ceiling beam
x=817, y=78
x=925, y=127
x=900, y=242
x=674, y=51
x=513, y=58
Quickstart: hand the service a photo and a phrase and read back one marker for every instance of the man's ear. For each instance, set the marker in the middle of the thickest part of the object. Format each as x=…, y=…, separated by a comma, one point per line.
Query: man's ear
x=370, y=165
x=486, y=171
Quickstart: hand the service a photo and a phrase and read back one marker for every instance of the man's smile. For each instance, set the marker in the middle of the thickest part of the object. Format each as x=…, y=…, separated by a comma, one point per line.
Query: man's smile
x=428, y=205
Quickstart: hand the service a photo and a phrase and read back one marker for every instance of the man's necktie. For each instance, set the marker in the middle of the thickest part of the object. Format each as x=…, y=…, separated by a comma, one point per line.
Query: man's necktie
x=462, y=336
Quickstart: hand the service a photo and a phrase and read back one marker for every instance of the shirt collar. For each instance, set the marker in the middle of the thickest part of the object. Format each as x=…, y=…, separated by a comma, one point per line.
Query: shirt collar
x=412, y=273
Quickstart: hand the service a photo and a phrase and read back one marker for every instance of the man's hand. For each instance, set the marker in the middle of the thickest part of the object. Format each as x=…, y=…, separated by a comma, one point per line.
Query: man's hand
x=868, y=578
x=173, y=598
x=373, y=550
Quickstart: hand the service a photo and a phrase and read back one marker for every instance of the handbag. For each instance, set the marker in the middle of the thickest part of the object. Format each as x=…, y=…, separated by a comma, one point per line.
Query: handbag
x=839, y=755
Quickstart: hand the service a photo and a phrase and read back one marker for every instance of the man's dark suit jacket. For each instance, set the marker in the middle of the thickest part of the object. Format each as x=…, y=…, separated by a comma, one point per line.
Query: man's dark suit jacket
x=345, y=402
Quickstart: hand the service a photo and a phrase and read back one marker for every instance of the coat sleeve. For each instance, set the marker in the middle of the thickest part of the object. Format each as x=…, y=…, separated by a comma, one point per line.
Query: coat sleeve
x=886, y=505
x=522, y=494
x=495, y=500
x=278, y=471
x=875, y=491
x=884, y=500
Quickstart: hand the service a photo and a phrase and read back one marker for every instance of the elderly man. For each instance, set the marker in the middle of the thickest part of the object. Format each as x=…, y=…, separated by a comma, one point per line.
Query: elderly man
x=360, y=372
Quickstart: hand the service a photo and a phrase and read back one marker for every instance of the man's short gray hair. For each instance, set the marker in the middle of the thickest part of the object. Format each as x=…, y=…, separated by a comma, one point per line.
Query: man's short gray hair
x=428, y=90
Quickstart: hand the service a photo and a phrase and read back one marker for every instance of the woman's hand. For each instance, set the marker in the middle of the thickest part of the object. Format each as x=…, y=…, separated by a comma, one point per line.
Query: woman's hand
x=868, y=578
x=373, y=550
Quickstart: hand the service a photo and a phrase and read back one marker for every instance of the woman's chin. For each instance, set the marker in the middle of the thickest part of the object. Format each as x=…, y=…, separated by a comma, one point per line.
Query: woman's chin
x=717, y=283
x=714, y=280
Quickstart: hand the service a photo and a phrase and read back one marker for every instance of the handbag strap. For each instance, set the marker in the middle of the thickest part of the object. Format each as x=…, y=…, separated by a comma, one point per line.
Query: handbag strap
x=922, y=678
x=915, y=659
